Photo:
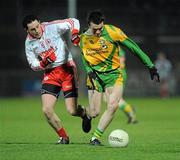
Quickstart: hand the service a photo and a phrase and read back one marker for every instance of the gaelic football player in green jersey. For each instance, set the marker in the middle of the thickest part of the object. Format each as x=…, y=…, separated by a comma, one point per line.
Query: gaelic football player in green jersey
x=100, y=45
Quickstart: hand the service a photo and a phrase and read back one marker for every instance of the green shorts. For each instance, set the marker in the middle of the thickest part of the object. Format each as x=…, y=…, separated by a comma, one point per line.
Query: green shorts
x=107, y=79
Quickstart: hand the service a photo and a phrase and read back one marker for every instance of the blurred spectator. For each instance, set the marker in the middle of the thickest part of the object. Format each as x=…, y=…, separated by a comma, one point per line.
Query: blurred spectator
x=164, y=67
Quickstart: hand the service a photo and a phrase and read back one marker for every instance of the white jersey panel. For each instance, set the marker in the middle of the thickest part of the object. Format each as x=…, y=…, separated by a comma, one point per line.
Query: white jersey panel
x=51, y=38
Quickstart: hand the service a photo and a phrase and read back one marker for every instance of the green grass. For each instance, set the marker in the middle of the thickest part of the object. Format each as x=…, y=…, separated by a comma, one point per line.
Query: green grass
x=24, y=133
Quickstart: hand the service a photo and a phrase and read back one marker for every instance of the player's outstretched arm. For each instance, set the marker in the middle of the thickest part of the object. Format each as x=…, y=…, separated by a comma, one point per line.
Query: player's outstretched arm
x=135, y=49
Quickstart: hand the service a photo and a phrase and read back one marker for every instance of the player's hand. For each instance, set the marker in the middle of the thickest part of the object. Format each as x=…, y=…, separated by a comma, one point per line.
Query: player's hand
x=154, y=74
x=75, y=39
x=48, y=58
x=51, y=58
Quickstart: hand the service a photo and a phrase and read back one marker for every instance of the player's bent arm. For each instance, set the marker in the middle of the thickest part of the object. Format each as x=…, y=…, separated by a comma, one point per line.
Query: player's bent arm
x=71, y=24
x=134, y=48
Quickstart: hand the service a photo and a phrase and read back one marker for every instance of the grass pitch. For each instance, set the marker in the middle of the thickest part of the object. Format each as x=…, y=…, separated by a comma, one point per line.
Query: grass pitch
x=25, y=135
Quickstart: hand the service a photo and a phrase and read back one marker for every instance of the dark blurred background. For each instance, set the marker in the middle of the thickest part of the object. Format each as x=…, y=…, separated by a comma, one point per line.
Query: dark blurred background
x=153, y=24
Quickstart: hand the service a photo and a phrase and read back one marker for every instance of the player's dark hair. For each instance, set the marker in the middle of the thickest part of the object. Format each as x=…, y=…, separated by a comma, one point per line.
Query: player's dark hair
x=96, y=17
x=28, y=19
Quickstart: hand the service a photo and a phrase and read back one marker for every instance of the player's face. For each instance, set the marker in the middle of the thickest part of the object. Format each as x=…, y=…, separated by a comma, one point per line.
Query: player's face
x=96, y=28
x=34, y=29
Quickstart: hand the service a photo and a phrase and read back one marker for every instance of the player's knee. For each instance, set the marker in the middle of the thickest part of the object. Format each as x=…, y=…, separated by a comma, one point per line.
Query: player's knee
x=47, y=112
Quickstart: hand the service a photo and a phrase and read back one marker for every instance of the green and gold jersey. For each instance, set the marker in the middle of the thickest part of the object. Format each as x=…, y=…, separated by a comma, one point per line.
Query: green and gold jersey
x=102, y=53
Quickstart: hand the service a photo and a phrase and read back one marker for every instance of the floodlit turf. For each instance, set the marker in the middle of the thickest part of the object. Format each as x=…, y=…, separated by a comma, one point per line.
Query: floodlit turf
x=25, y=135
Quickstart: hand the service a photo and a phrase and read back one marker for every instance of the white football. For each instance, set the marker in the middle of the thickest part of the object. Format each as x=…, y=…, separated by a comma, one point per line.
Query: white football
x=118, y=138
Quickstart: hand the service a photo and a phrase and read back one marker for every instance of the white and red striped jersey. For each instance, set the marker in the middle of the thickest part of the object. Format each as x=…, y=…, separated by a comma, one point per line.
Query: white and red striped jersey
x=51, y=38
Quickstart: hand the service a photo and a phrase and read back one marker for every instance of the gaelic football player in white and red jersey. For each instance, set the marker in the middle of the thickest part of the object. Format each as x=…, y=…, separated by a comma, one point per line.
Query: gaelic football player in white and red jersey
x=47, y=51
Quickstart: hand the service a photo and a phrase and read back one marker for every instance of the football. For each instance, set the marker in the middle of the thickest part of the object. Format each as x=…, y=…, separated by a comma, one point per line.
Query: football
x=118, y=138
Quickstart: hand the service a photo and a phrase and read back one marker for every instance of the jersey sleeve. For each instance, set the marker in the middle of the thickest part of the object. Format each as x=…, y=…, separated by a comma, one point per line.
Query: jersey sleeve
x=119, y=37
x=62, y=26
x=135, y=49
x=32, y=59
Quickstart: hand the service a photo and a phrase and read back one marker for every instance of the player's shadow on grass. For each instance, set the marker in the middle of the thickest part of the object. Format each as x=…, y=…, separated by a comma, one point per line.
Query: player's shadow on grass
x=43, y=143
x=14, y=143
x=87, y=143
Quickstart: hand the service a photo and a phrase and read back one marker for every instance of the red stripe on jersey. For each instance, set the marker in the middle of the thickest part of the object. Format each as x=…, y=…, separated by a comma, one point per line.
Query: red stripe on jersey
x=69, y=20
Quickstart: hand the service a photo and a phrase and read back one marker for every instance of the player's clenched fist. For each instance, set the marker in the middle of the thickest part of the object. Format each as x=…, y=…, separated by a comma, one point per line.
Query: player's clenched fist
x=47, y=57
x=75, y=39
x=154, y=74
